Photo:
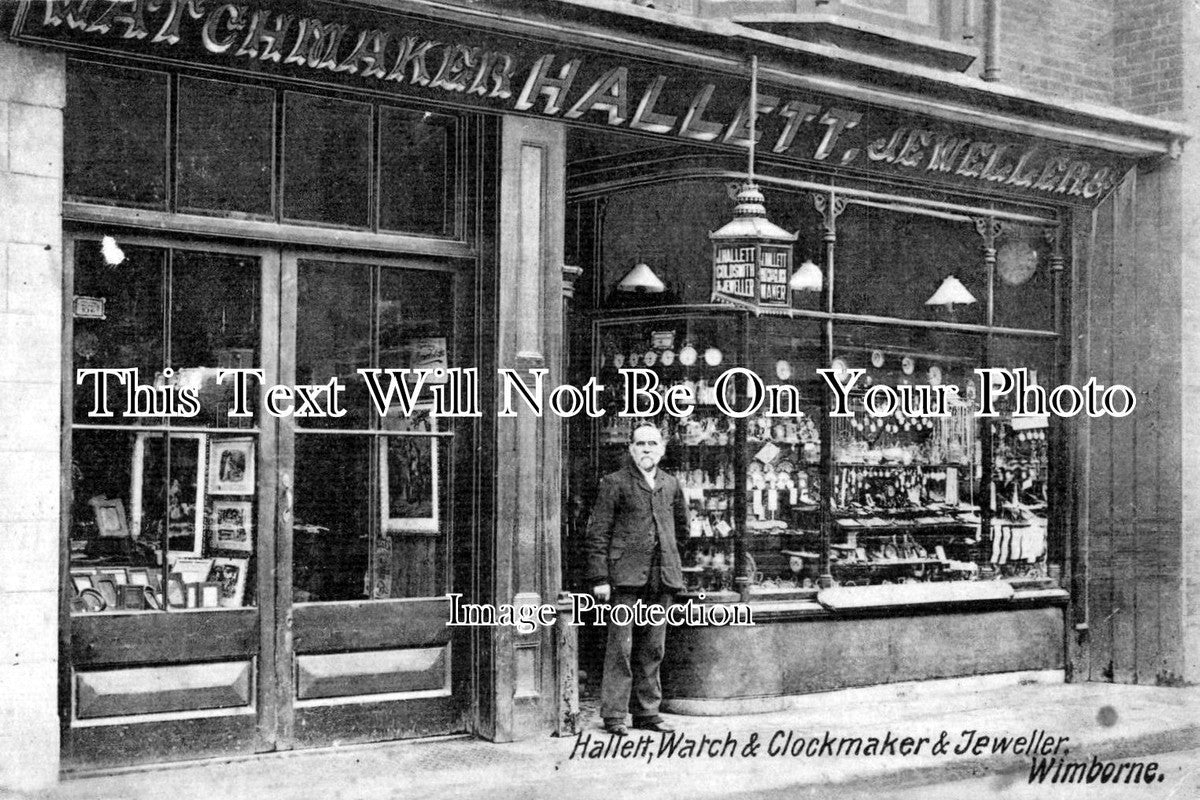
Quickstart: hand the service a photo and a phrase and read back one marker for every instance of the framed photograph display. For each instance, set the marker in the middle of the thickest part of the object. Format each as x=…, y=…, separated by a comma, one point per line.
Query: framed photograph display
x=408, y=477
x=232, y=526
x=191, y=569
x=169, y=497
x=110, y=517
x=210, y=594
x=231, y=466
x=230, y=573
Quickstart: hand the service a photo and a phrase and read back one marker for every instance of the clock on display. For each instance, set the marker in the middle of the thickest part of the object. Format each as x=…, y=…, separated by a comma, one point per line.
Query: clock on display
x=1016, y=261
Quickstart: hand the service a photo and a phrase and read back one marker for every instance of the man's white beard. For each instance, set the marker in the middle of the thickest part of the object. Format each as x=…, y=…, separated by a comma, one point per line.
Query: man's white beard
x=647, y=463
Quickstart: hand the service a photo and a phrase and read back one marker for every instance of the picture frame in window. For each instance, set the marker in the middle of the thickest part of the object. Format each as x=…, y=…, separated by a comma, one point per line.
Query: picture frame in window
x=107, y=589
x=81, y=581
x=409, y=483
x=169, y=499
x=118, y=575
x=210, y=594
x=231, y=466
x=176, y=594
x=110, y=517
x=230, y=574
x=132, y=597
x=191, y=569
x=232, y=526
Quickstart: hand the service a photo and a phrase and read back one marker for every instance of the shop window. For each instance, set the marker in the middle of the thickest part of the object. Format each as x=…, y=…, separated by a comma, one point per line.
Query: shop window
x=164, y=513
x=666, y=226
x=326, y=160
x=225, y=147
x=1024, y=286
x=782, y=457
x=372, y=509
x=892, y=263
x=906, y=491
x=319, y=161
x=128, y=331
x=1021, y=489
x=418, y=171
x=106, y=157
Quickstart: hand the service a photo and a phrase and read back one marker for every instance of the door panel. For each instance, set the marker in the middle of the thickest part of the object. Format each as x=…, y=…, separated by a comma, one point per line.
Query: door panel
x=164, y=582
x=408, y=671
x=371, y=657
x=160, y=690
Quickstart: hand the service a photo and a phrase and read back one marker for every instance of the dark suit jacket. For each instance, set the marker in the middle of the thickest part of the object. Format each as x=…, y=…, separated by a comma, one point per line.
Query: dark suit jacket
x=621, y=532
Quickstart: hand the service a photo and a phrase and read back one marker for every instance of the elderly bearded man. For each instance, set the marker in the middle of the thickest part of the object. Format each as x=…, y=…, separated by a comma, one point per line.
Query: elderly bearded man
x=633, y=555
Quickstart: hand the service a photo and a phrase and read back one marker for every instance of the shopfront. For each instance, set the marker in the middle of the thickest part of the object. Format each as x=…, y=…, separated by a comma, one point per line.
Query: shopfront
x=308, y=552
x=266, y=566
x=309, y=191
x=892, y=577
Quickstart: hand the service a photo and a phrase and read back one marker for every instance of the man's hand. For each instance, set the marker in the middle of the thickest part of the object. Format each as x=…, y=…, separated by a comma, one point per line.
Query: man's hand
x=602, y=592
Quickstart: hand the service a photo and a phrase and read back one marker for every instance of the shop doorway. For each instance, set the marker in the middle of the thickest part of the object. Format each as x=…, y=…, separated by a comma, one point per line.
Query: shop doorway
x=277, y=581
x=372, y=517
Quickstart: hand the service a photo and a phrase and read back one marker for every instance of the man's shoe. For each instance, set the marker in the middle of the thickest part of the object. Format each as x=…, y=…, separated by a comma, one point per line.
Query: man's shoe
x=658, y=726
x=616, y=728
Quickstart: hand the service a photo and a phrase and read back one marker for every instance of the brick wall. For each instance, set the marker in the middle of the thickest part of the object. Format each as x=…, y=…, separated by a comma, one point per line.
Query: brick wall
x=1148, y=57
x=1062, y=49
x=32, y=87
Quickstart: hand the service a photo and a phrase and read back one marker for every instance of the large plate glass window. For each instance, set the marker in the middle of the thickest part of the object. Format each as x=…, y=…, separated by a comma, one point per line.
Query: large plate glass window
x=164, y=488
x=372, y=506
x=174, y=142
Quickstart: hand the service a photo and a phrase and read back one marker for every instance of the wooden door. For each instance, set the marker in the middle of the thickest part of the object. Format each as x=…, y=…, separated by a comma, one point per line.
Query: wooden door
x=367, y=521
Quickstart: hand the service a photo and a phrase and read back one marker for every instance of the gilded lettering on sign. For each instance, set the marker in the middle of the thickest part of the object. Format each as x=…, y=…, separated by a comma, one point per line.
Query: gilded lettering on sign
x=576, y=86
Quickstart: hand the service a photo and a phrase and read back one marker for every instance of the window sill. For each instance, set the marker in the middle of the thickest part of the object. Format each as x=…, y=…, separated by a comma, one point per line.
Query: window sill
x=862, y=37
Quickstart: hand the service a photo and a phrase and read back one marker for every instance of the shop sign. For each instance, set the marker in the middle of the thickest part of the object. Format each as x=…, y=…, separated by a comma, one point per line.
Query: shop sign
x=754, y=274
x=425, y=58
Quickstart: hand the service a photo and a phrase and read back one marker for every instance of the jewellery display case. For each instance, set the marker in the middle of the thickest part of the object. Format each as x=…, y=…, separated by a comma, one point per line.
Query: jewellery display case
x=752, y=483
x=912, y=498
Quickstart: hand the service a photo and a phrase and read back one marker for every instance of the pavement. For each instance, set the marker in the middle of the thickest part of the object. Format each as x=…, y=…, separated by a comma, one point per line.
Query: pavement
x=904, y=740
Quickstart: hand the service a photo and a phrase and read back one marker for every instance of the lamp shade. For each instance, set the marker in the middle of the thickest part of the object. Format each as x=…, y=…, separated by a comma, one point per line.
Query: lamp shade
x=807, y=278
x=951, y=293
x=641, y=279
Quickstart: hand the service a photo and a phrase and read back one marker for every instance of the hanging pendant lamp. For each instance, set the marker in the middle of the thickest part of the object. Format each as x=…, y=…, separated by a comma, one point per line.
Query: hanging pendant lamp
x=641, y=279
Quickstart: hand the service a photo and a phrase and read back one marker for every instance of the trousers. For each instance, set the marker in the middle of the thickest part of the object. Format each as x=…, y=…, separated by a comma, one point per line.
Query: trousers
x=632, y=659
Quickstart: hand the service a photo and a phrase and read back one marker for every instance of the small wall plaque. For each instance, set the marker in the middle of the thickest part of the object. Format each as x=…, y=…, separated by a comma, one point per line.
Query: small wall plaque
x=89, y=307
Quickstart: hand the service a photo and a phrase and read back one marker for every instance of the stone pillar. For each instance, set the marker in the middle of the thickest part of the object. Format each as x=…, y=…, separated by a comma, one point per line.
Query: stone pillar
x=32, y=93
